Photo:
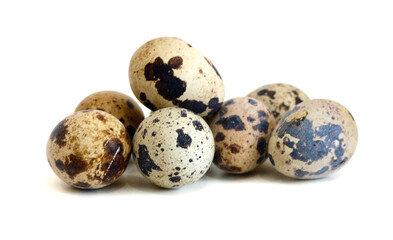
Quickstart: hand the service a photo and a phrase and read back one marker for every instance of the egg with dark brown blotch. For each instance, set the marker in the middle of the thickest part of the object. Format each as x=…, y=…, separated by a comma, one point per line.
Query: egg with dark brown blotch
x=173, y=147
x=316, y=138
x=121, y=106
x=89, y=149
x=241, y=128
x=167, y=72
x=279, y=98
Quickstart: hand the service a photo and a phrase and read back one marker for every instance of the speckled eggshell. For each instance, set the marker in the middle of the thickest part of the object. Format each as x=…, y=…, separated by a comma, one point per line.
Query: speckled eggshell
x=121, y=106
x=173, y=147
x=89, y=149
x=166, y=72
x=242, y=129
x=314, y=139
x=279, y=98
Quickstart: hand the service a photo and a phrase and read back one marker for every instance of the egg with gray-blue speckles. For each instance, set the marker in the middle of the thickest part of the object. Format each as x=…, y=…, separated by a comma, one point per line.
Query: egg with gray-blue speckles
x=316, y=138
x=173, y=147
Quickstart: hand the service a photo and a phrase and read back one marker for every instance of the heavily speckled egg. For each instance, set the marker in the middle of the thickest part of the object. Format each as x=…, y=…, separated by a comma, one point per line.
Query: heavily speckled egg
x=166, y=72
x=279, y=98
x=242, y=128
x=173, y=147
x=121, y=106
x=89, y=149
x=314, y=139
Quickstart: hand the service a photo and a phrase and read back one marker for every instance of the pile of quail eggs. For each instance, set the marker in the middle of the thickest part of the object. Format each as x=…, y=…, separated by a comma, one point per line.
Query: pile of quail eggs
x=191, y=126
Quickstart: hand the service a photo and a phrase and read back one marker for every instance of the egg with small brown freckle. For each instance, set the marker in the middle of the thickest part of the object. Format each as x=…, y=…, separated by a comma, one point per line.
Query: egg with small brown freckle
x=279, y=98
x=173, y=147
x=315, y=139
x=241, y=129
x=167, y=72
x=121, y=106
x=89, y=149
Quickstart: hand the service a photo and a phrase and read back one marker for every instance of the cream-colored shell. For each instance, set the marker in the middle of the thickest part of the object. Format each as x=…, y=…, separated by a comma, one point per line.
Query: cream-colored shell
x=242, y=129
x=279, y=98
x=173, y=147
x=314, y=139
x=121, y=106
x=89, y=149
x=204, y=89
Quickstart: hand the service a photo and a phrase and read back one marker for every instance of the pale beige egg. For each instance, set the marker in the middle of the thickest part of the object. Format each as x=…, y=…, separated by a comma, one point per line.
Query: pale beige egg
x=173, y=147
x=166, y=72
x=279, y=98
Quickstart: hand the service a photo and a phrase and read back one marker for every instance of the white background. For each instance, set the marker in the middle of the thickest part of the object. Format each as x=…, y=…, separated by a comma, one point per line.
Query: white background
x=53, y=54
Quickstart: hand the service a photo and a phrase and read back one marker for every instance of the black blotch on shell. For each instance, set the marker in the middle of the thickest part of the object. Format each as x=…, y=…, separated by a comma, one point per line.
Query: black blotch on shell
x=217, y=157
x=168, y=85
x=272, y=160
x=183, y=140
x=197, y=125
x=214, y=105
x=145, y=163
x=232, y=122
x=262, y=126
x=175, y=179
x=183, y=113
x=193, y=105
x=252, y=102
x=266, y=92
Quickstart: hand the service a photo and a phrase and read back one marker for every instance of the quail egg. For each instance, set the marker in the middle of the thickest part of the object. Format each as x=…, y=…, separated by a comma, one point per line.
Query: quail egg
x=279, y=98
x=314, y=139
x=242, y=128
x=118, y=104
x=89, y=149
x=173, y=147
x=166, y=72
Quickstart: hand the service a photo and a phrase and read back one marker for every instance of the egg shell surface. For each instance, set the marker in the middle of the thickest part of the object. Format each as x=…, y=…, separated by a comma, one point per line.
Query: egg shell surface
x=316, y=138
x=173, y=147
x=166, y=72
x=89, y=149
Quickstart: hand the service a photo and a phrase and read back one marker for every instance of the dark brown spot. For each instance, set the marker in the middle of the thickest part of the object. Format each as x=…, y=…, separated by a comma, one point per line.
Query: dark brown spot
x=219, y=137
x=101, y=117
x=193, y=105
x=73, y=165
x=59, y=133
x=234, y=148
x=200, y=71
x=231, y=122
x=282, y=105
x=114, y=162
x=129, y=104
x=175, y=62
